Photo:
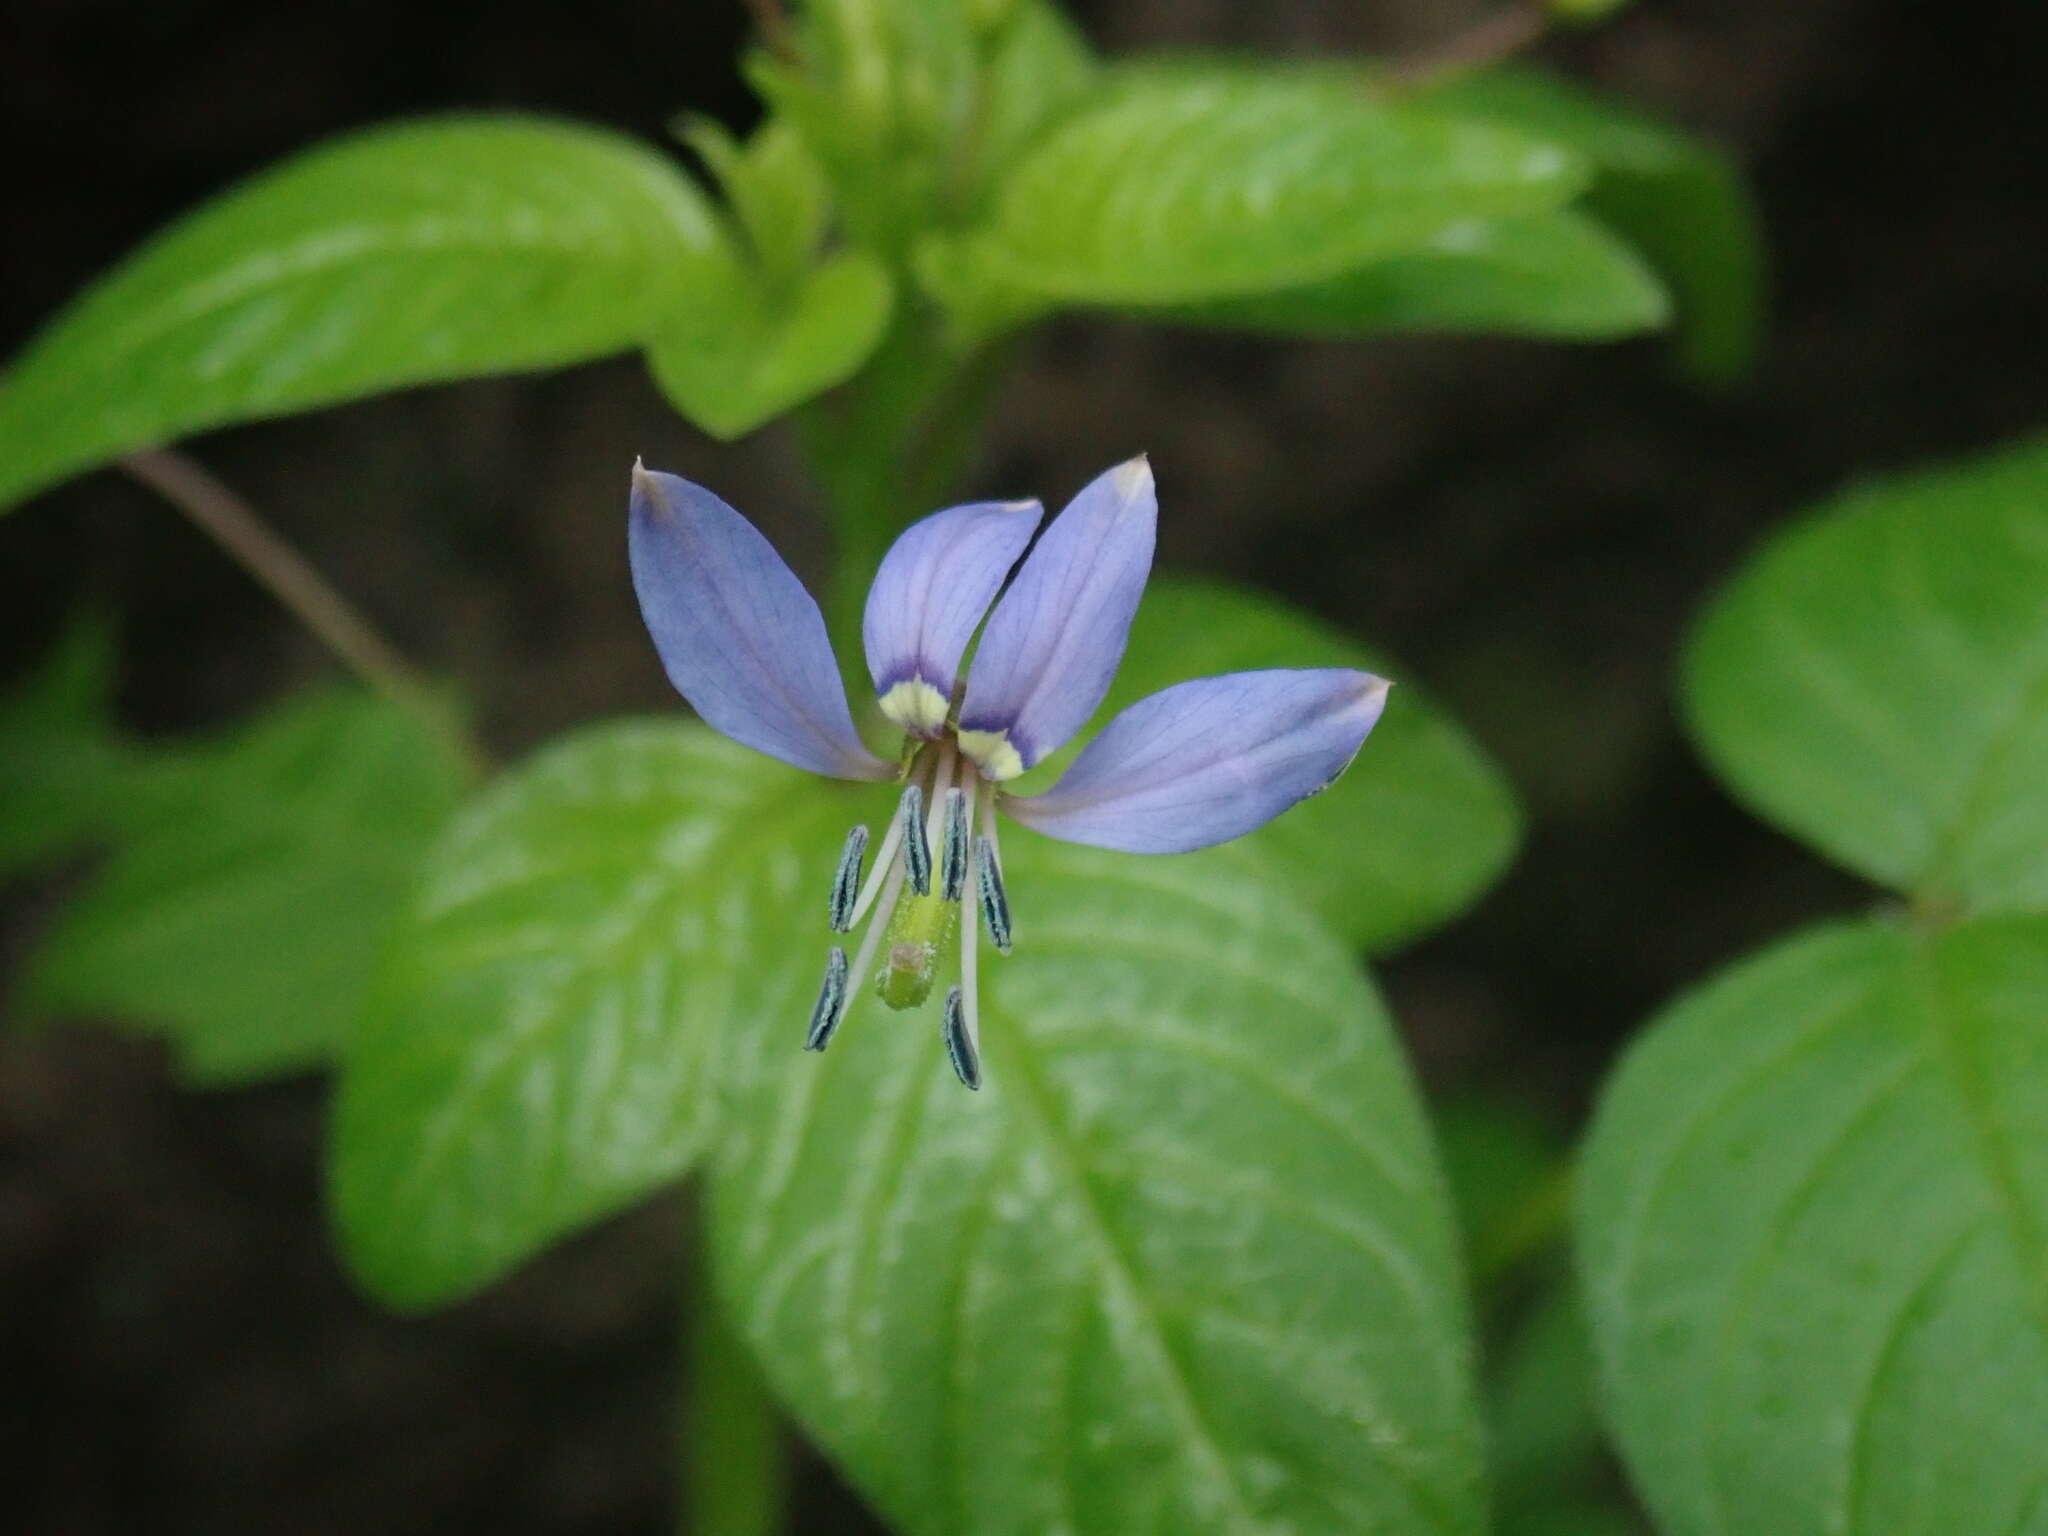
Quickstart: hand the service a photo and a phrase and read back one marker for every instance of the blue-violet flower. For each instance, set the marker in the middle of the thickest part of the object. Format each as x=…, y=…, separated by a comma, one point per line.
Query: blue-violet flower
x=1195, y=764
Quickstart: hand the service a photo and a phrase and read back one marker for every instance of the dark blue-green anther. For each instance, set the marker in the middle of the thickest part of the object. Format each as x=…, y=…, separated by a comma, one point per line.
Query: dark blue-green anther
x=960, y=1048
x=953, y=851
x=831, y=1005
x=917, y=848
x=995, y=900
x=846, y=883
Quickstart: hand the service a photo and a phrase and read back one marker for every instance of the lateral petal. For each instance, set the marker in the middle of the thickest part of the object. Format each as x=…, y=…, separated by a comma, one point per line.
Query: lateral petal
x=931, y=593
x=739, y=636
x=1053, y=643
x=1205, y=761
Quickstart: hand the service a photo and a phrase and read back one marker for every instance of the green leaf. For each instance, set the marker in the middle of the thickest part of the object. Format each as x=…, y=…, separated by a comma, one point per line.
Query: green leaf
x=1184, y=1264
x=1553, y=274
x=742, y=356
x=1811, y=1228
x=1187, y=184
x=251, y=885
x=538, y=1049
x=403, y=255
x=62, y=764
x=1545, y=275
x=1419, y=826
x=1876, y=682
x=1681, y=202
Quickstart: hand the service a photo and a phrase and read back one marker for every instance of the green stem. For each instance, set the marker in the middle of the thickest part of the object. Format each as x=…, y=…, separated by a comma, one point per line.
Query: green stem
x=889, y=447
x=734, y=1473
x=1542, y=1219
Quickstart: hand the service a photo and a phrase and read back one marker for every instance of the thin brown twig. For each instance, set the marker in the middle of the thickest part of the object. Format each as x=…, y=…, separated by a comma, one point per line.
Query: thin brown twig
x=287, y=575
x=772, y=22
x=1499, y=36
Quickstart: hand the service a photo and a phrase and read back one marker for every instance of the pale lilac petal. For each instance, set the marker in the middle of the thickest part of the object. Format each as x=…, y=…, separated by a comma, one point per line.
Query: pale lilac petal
x=740, y=637
x=1205, y=761
x=1053, y=643
x=930, y=595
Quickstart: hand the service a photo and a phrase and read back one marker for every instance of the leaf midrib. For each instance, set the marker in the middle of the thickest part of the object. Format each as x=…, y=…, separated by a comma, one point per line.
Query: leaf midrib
x=1032, y=1099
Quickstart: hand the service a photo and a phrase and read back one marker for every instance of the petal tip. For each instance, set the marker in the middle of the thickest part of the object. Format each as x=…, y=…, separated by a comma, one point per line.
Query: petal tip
x=1133, y=477
x=648, y=495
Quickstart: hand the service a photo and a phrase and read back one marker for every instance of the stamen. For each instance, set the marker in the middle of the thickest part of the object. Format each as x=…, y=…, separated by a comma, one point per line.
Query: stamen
x=995, y=900
x=988, y=821
x=831, y=1004
x=892, y=886
x=917, y=848
x=963, y=1043
x=988, y=873
x=885, y=858
x=953, y=851
x=846, y=883
x=935, y=812
x=960, y=1047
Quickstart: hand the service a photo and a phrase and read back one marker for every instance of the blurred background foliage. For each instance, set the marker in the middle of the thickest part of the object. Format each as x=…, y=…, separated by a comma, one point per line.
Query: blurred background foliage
x=1530, y=528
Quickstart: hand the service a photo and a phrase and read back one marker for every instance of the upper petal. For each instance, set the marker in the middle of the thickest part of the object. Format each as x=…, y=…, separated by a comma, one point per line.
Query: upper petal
x=1054, y=641
x=740, y=637
x=1205, y=761
x=933, y=589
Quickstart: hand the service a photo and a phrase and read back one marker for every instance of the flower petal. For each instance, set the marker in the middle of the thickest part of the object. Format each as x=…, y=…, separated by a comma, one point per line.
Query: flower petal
x=1054, y=641
x=1205, y=761
x=740, y=637
x=930, y=595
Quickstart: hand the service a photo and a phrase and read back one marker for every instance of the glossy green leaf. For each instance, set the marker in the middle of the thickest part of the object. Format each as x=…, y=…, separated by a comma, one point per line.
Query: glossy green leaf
x=744, y=356
x=1555, y=274
x=1876, y=682
x=539, y=1046
x=1188, y=184
x=1184, y=1263
x=62, y=765
x=1418, y=827
x=403, y=255
x=251, y=886
x=1812, y=1226
x=1678, y=200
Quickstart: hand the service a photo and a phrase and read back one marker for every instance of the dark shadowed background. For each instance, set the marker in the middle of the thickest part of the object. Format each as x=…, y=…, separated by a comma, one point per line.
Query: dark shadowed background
x=1527, y=527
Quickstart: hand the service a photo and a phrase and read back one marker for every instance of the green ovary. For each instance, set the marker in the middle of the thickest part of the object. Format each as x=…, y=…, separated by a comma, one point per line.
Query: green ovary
x=920, y=927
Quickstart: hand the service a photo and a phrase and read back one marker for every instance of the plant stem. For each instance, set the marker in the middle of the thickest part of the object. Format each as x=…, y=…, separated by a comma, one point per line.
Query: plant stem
x=734, y=1472
x=287, y=575
x=1541, y=1219
x=1500, y=36
x=892, y=445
